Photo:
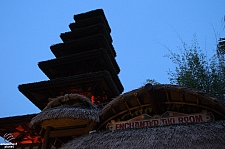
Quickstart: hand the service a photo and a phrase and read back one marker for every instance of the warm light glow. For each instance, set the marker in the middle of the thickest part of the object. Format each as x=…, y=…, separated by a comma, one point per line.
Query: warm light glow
x=24, y=136
x=93, y=99
x=20, y=128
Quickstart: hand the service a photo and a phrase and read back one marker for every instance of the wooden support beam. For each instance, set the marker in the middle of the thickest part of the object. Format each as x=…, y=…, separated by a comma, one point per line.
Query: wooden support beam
x=113, y=110
x=198, y=101
x=46, y=138
x=139, y=104
x=89, y=127
x=26, y=128
x=127, y=107
x=168, y=95
x=196, y=105
x=57, y=142
x=151, y=96
x=68, y=132
x=182, y=97
x=138, y=101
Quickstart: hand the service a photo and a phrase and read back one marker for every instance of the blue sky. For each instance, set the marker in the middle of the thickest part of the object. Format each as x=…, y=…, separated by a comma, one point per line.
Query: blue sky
x=139, y=29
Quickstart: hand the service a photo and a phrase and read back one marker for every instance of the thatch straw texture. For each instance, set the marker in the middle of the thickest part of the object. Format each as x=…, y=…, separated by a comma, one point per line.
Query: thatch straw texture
x=66, y=112
x=120, y=99
x=193, y=136
x=77, y=98
x=191, y=95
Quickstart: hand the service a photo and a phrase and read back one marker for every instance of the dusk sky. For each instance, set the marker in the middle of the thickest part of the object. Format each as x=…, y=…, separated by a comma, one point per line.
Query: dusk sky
x=139, y=31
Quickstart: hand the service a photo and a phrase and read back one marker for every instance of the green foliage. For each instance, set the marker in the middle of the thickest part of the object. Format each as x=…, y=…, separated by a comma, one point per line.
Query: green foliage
x=193, y=69
x=221, y=46
x=152, y=81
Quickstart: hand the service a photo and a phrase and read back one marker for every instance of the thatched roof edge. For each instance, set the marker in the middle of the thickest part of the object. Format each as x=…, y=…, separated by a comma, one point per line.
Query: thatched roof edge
x=119, y=99
x=203, y=135
x=200, y=94
x=66, y=112
x=29, y=88
x=181, y=89
x=69, y=97
x=11, y=120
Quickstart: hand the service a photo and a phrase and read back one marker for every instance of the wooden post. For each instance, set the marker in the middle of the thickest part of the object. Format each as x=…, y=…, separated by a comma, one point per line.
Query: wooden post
x=46, y=138
x=151, y=96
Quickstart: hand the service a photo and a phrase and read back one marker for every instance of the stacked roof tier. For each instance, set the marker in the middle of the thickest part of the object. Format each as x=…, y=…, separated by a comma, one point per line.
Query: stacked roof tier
x=83, y=45
x=98, y=83
x=85, y=63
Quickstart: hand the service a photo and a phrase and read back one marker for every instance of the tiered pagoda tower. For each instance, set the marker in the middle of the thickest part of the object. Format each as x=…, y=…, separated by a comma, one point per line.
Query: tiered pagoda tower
x=85, y=64
x=83, y=76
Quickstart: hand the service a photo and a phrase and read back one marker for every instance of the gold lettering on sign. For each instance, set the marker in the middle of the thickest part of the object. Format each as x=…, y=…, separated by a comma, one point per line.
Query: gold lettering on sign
x=168, y=118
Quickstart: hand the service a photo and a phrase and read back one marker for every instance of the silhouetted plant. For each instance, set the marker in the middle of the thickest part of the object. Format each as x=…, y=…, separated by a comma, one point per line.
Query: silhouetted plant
x=193, y=69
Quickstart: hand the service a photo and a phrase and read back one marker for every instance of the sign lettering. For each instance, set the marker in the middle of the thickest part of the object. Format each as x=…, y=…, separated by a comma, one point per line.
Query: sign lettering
x=168, y=118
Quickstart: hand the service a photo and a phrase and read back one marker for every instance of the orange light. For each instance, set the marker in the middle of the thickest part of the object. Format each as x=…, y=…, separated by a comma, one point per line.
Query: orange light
x=92, y=99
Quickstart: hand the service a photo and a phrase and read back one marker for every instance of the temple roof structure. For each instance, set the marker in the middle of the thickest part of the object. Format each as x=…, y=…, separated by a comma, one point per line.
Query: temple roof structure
x=85, y=63
x=18, y=126
x=83, y=106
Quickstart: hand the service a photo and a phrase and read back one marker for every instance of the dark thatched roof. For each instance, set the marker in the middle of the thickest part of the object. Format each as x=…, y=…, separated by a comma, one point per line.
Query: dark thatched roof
x=11, y=120
x=76, y=99
x=73, y=106
x=63, y=112
x=39, y=92
x=192, y=136
x=164, y=96
x=162, y=88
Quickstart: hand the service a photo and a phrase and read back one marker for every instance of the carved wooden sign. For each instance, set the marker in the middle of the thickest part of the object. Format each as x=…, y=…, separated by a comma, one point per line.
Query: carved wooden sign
x=168, y=118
